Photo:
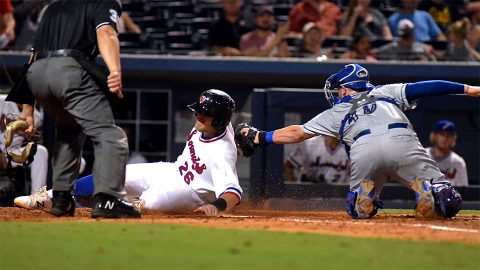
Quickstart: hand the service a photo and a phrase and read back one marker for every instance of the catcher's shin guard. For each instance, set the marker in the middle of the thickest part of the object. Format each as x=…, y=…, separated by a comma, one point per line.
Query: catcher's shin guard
x=425, y=201
x=362, y=202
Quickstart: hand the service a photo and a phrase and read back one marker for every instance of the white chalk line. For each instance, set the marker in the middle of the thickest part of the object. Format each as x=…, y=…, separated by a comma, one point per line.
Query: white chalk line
x=313, y=221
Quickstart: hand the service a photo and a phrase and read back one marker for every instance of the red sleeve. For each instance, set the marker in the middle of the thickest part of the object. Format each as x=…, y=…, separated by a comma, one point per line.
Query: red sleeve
x=5, y=7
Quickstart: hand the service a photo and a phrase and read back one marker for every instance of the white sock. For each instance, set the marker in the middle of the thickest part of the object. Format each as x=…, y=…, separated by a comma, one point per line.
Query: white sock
x=50, y=193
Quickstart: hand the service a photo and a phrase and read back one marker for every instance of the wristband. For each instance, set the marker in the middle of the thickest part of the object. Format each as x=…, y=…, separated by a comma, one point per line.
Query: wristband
x=220, y=204
x=265, y=137
x=262, y=138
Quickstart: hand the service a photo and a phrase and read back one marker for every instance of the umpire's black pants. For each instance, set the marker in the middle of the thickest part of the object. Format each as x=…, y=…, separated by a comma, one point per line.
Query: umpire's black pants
x=80, y=109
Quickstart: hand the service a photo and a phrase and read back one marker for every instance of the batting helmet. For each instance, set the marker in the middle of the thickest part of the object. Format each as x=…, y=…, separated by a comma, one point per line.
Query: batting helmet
x=448, y=201
x=352, y=76
x=217, y=104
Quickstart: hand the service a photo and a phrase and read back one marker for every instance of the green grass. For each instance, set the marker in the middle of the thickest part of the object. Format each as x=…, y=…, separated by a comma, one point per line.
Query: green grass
x=102, y=245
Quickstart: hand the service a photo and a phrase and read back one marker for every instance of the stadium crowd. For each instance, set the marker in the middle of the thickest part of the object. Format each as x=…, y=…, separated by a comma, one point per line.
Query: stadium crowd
x=422, y=30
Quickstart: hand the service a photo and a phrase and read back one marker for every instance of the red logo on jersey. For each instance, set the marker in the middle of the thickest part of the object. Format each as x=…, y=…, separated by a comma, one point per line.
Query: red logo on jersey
x=450, y=175
x=196, y=166
x=195, y=160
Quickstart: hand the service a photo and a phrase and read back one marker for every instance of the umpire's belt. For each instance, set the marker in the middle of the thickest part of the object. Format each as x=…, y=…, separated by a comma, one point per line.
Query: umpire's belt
x=390, y=126
x=61, y=53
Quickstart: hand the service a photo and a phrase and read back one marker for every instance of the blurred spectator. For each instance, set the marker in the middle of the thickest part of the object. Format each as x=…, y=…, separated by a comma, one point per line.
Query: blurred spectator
x=311, y=45
x=127, y=25
x=473, y=6
x=426, y=28
x=27, y=16
x=321, y=159
x=442, y=12
x=458, y=46
x=360, y=48
x=473, y=9
x=324, y=13
x=7, y=23
x=262, y=42
x=361, y=17
x=224, y=34
x=406, y=48
x=443, y=138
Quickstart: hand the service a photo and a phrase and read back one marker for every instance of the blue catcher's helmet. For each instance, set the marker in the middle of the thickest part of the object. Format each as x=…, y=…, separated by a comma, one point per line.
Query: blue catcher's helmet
x=448, y=201
x=352, y=76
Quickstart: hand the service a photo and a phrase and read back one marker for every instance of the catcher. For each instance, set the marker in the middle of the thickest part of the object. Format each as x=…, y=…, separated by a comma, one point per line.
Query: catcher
x=380, y=140
x=203, y=177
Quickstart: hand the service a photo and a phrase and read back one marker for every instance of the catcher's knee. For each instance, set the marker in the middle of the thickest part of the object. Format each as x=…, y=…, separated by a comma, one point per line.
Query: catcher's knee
x=362, y=203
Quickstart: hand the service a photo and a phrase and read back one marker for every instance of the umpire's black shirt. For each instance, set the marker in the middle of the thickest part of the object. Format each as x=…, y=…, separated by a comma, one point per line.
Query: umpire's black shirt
x=72, y=24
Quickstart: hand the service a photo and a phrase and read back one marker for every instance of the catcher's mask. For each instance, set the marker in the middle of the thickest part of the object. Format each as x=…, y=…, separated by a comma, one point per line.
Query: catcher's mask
x=217, y=104
x=352, y=76
x=19, y=152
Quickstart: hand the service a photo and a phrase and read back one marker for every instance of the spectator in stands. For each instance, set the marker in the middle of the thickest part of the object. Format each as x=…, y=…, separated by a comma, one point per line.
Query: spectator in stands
x=360, y=48
x=127, y=25
x=361, y=17
x=7, y=24
x=443, y=138
x=406, y=48
x=426, y=28
x=458, y=46
x=224, y=34
x=443, y=13
x=262, y=42
x=27, y=16
x=321, y=159
x=324, y=13
x=473, y=9
x=311, y=45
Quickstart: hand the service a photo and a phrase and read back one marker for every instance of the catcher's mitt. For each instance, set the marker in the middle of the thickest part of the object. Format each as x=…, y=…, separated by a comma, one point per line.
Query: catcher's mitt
x=246, y=142
x=28, y=149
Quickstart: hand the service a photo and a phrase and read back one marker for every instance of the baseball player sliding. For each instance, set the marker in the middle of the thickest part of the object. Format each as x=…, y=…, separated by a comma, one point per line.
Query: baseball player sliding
x=203, y=177
x=380, y=139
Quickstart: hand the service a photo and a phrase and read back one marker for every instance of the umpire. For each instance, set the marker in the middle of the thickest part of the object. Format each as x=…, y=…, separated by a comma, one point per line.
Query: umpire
x=65, y=80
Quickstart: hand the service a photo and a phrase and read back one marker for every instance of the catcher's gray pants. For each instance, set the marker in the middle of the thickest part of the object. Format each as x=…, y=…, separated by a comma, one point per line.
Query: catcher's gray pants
x=80, y=109
x=395, y=154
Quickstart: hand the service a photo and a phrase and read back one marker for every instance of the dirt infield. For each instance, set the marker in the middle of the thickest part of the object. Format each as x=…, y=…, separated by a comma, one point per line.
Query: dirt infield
x=463, y=228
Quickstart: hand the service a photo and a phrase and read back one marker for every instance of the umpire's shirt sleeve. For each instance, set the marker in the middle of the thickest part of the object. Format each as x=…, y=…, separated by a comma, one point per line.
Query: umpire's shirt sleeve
x=108, y=13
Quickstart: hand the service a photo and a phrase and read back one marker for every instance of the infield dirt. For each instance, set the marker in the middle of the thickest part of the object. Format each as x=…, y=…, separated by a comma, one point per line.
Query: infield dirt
x=465, y=228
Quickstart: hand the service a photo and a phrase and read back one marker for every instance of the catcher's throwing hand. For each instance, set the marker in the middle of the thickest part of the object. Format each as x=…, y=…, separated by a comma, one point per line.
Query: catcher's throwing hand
x=245, y=138
x=209, y=210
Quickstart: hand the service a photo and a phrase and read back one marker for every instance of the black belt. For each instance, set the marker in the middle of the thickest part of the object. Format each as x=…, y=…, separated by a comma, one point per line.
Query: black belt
x=390, y=126
x=60, y=53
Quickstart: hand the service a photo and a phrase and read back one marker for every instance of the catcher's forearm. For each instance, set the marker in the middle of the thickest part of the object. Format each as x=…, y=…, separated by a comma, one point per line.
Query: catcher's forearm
x=286, y=135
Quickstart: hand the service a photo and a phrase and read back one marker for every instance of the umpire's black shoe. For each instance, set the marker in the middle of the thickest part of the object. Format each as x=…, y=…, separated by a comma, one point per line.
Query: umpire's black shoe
x=63, y=204
x=108, y=206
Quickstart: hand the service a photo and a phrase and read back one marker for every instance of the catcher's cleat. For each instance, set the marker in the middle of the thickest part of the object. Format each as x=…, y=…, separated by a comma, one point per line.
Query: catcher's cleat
x=425, y=201
x=107, y=206
x=366, y=193
x=39, y=200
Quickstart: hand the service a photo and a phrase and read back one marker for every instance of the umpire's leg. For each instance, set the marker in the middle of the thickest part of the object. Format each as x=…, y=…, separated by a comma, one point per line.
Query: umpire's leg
x=91, y=110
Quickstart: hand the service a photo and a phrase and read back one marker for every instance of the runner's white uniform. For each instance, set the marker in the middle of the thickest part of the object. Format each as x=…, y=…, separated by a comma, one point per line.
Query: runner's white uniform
x=204, y=171
x=314, y=159
x=453, y=167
